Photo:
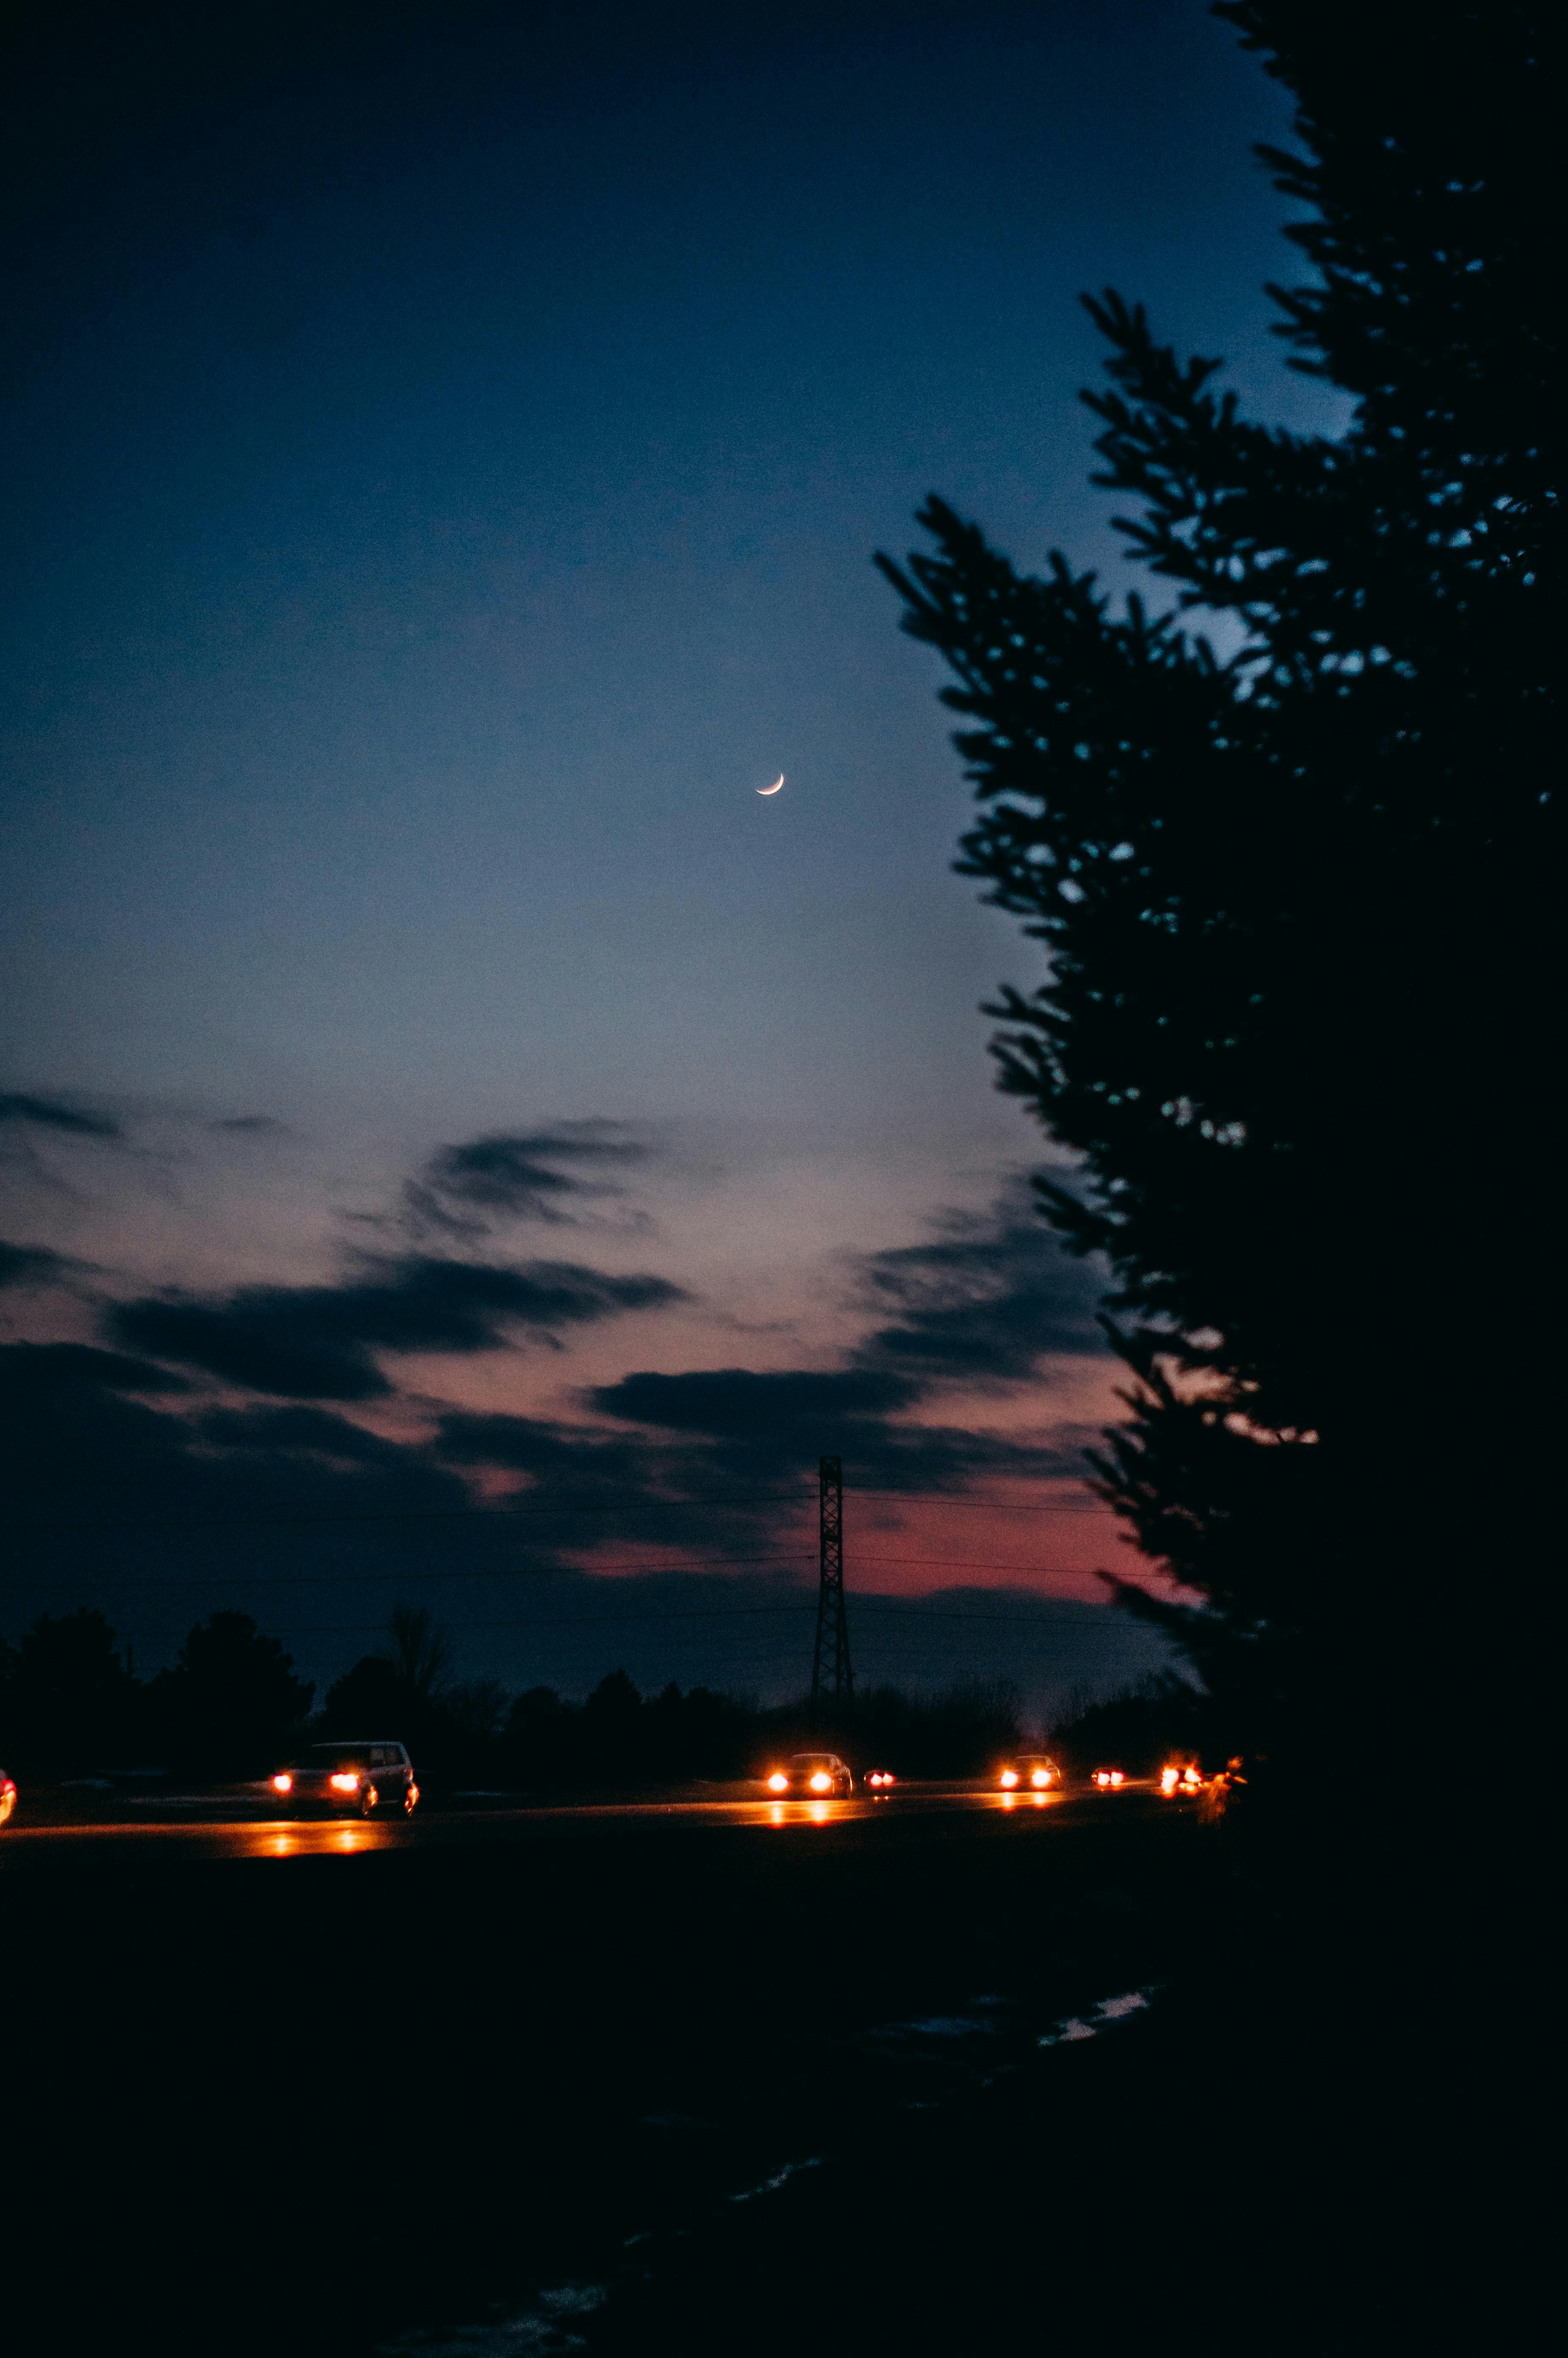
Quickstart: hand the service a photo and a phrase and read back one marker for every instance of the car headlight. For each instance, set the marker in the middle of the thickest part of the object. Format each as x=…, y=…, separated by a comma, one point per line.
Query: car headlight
x=283, y=1782
x=822, y=1782
x=345, y=1781
x=1009, y=1779
x=1039, y=1776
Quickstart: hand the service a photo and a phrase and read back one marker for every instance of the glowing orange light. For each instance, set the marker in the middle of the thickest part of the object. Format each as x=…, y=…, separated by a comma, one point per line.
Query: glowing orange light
x=822, y=1782
x=1039, y=1776
x=345, y=1781
x=1117, y=1778
x=778, y=1782
x=283, y=1782
x=1009, y=1780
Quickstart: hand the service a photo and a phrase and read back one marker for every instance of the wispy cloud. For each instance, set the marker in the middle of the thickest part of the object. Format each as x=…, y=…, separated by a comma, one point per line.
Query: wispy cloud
x=319, y=1342
x=986, y=1301
x=49, y=1113
x=469, y=1188
x=27, y=1265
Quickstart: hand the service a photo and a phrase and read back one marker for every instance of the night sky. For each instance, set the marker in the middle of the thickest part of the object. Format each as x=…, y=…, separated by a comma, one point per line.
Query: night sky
x=443, y=454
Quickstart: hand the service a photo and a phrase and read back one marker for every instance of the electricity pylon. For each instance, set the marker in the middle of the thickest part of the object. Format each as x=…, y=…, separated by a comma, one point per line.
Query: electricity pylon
x=830, y=1672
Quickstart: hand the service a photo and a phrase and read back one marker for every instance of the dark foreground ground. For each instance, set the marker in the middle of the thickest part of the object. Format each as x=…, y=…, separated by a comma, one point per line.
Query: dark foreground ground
x=685, y=2086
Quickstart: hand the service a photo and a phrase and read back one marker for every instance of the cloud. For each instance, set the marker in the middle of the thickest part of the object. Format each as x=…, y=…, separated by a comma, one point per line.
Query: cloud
x=252, y=1125
x=734, y=1403
x=47, y=1113
x=298, y=1430
x=76, y=1445
x=30, y=1265
x=513, y=1175
x=316, y=1342
x=32, y=1370
x=743, y=1428
x=986, y=1301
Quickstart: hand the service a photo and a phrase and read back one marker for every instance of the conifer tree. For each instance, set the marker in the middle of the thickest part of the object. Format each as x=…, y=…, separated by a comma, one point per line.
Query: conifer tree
x=1296, y=902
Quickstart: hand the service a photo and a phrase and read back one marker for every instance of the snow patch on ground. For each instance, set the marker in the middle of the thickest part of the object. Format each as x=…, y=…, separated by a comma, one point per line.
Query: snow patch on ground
x=538, y=2329
x=780, y=2178
x=1107, y=2011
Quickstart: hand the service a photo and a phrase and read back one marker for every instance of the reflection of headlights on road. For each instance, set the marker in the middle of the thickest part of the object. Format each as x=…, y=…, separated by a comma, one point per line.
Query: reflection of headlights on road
x=822, y=1782
x=283, y=1784
x=345, y=1781
x=1009, y=1779
x=1039, y=1776
x=778, y=1782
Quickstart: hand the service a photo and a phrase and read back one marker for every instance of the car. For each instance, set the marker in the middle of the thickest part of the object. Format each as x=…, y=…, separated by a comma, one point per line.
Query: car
x=353, y=1780
x=7, y=1796
x=1029, y=1772
x=880, y=1778
x=812, y=1773
x=1179, y=1778
x=1109, y=1781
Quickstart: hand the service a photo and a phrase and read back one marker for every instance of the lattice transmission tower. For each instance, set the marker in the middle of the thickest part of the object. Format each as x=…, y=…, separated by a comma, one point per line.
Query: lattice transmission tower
x=832, y=1675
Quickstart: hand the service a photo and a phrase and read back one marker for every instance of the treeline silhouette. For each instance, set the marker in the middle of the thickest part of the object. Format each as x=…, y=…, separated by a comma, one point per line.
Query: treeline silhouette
x=232, y=1706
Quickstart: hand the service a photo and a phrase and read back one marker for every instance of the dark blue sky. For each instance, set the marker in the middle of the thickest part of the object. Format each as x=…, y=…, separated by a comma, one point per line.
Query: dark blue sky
x=443, y=454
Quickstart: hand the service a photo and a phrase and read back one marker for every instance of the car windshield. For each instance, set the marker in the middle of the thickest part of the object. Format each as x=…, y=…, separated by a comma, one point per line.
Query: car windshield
x=814, y=1760
x=332, y=1756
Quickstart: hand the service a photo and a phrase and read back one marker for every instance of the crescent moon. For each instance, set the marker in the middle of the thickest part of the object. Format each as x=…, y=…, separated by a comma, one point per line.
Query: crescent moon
x=774, y=788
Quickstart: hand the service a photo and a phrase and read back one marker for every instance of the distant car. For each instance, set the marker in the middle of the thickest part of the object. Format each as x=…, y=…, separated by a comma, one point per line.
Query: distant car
x=1109, y=1781
x=881, y=1777
x=7, y=1796
x=1029, y=1772
x=1181, y=1778
x=814, y=1773
x=348, y=1779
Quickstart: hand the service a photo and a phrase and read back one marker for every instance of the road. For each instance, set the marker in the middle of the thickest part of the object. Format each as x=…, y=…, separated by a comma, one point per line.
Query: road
x=194, y=1835
x=334, y=2106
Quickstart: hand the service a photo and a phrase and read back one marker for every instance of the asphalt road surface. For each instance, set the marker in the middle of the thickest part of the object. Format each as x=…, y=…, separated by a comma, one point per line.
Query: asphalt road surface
x=730, y=2077
x=195, y=1834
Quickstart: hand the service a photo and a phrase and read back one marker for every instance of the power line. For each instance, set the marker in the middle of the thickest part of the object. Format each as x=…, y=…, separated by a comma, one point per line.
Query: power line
x=881, y=1604
x=505, y=1514
x=591, y=1571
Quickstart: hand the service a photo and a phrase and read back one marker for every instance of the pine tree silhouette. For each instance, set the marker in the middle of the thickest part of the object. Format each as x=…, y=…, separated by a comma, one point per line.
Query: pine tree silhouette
x=1297, y=902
